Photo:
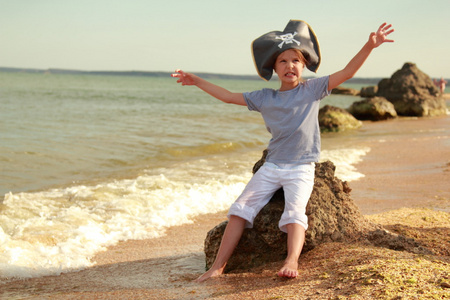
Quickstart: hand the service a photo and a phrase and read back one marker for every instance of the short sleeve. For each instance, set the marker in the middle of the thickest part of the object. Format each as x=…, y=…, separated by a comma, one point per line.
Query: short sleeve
x=255, y=99
x=319, y=86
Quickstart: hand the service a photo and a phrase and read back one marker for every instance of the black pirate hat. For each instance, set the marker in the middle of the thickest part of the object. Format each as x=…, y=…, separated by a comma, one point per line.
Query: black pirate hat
x=296, y=35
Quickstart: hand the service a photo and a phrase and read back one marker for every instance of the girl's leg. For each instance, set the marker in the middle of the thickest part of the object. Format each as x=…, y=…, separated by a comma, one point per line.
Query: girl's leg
x=230, y=239
x=297, y=186
x=296, y=239
x=256, y=194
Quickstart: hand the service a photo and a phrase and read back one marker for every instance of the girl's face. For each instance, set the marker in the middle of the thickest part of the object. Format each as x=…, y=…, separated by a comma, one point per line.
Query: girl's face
x=289, y=68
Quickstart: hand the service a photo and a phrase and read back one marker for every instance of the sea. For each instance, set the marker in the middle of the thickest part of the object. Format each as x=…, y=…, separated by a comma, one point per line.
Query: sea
x=87, y=161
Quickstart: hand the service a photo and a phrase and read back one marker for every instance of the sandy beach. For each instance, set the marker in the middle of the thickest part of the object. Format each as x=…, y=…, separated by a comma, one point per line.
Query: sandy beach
x=405, y=188
x=410, y=169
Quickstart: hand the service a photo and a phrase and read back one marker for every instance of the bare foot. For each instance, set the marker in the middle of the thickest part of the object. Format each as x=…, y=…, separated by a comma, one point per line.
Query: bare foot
x=210, y=273
x=289, y=270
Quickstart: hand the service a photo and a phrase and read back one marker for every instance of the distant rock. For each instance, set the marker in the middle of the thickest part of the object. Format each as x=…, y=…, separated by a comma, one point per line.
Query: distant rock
x=344, y=91
x=374, y=109
x=333, y=119
x=369, y=91
x=412, y=92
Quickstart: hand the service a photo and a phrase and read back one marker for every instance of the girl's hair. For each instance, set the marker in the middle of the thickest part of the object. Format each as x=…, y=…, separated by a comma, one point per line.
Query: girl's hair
x=300, y=54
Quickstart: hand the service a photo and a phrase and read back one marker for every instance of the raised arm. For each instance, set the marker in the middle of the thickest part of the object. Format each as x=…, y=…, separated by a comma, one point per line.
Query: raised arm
x=212, y=89
x=375, y=40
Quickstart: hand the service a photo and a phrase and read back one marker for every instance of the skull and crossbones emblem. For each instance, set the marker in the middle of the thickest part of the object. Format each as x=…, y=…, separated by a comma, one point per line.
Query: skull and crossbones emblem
x=287, y=38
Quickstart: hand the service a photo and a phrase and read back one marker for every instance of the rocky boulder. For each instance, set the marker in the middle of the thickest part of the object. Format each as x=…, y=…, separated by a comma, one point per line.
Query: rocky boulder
x=412, y=92
x=374, y=109
x=344, y=91
x=333, y=119
x=368, y=91
x=332, y=217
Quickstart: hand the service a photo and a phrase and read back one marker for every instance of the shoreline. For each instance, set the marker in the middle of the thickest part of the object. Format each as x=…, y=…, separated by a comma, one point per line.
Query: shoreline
x=396, y=177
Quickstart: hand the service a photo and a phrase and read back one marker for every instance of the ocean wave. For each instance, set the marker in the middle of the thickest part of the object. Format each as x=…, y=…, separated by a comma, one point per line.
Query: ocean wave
x=345, y=160
x=60, y=230
x=210, y=149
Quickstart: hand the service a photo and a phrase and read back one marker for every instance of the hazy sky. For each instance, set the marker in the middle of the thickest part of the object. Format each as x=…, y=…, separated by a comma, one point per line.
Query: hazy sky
x=215, y=36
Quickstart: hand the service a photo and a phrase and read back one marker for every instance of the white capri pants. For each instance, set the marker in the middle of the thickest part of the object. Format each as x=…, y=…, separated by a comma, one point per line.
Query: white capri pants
x=297, y=182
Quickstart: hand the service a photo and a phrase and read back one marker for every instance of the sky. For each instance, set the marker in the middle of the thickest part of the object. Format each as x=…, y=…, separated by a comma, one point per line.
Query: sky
x=215, y=36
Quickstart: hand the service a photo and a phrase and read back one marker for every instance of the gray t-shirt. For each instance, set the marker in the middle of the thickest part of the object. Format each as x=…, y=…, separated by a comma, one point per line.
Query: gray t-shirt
x=292, y=119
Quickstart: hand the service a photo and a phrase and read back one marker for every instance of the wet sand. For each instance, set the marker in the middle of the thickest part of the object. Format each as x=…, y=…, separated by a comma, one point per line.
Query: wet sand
x=409, y=167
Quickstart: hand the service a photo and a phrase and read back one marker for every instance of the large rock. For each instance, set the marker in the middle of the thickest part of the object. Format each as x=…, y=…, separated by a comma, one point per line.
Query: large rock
x=374, y=109
x=332, y=217
x=333, y=119
x=412, y=92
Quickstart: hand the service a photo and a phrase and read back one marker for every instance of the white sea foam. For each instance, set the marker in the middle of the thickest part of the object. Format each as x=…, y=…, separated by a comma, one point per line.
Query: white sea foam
x=344, y=160
x=59, y=230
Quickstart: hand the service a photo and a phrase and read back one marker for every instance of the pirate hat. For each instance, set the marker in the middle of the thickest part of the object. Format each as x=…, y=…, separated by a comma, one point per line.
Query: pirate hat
x=296, y=35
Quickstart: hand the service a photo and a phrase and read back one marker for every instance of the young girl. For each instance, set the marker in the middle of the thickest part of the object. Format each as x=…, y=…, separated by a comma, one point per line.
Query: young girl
x=291, y=116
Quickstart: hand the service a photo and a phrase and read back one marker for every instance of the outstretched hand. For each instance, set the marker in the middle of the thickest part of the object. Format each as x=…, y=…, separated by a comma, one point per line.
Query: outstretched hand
x=380, y=37
x=185, y=78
